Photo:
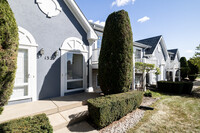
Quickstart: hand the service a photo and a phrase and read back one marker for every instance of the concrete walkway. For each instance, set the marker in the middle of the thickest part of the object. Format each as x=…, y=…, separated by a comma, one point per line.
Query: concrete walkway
x=61, y=110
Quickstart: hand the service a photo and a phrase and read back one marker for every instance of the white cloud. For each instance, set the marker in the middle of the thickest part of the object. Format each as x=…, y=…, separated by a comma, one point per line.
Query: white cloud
x=91, y=20
x=98, y=22
x=144, y=19
x=121, y=2
x=189, y=51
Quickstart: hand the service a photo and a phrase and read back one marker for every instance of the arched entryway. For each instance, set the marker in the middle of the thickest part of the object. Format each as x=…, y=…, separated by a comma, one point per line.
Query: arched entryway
x=26, y=75
x=74, y=55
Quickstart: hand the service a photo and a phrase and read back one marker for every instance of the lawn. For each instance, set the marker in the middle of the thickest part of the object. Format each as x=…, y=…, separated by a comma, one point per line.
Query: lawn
x=171, y=114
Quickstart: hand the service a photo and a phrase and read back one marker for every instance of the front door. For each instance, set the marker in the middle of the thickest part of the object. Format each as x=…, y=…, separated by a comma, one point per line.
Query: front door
x=74, y=56
x=21, y=86
x=25, y=79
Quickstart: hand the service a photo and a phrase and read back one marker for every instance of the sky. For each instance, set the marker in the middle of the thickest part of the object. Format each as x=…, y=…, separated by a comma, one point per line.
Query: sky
x=178, y=21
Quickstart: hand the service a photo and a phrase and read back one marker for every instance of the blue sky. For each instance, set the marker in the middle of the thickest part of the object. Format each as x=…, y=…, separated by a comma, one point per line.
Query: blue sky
x=177, y=20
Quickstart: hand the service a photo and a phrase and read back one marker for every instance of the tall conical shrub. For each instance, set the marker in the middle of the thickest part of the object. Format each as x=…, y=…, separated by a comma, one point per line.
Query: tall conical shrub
x=8, y=52
x=116, y=55
x=184, y=67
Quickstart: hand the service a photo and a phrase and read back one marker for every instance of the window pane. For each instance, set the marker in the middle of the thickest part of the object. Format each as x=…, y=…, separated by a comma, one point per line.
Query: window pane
x=138, y=54
x=74, y=85
x=74, y=66
x=22, y=67
x=99, y=42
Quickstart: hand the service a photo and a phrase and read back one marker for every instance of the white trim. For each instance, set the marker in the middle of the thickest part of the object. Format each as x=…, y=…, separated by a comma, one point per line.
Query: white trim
x=77, y=48
x=27, y=42
x=47, y=8
x=91, y=35
x=78, y=45
x=25, y=38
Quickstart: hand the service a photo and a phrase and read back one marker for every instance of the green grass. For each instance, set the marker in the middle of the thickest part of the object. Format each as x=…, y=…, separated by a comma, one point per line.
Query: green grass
x=171, y=114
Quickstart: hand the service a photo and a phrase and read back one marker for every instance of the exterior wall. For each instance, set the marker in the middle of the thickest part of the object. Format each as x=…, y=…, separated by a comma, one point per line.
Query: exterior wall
x=49, y=34
x=160, y=63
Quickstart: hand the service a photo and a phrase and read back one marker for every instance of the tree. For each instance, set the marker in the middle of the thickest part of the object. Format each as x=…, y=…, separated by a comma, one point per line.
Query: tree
x=116, y=55
x=145, y=67
x=184, y=67
x=193, y=71
x=8, y=52
x=197, y=54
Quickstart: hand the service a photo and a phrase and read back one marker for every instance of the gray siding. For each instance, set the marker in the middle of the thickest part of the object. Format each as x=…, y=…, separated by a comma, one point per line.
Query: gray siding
x=49, y=34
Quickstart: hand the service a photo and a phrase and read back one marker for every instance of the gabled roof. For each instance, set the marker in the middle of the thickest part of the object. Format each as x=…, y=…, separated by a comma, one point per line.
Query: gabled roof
x=91, y=35
x=174, y=52
x=137, y=44
x=153, y=41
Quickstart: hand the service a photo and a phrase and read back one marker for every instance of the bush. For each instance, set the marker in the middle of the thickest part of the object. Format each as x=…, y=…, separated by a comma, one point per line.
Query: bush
x=36, y=124
x=116, y=55
x=184, y=67
x=148, y=93
x=175, y=87
x=105, y=110
x=193, y=71
x=8, y=52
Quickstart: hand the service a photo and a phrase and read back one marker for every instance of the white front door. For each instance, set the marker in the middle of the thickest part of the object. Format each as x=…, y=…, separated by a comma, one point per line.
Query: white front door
x=26, y=73
x=21, y=86
x=74, y=57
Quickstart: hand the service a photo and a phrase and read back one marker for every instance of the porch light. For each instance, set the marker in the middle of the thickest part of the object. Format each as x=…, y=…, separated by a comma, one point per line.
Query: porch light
x=41, y=52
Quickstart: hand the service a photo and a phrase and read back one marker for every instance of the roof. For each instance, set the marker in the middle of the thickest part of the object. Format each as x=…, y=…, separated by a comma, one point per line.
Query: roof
x=91, y=35
x=174, y=51
x=137, y=44
x=153, y=41
x=97, y=26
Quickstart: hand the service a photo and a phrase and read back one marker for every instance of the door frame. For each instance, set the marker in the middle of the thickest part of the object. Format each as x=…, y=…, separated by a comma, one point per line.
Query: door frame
x=77, y=48
x=27, y=42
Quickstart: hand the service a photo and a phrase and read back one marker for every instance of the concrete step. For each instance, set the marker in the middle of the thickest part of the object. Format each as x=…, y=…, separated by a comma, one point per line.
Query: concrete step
x=68, y=117
x=81, y=127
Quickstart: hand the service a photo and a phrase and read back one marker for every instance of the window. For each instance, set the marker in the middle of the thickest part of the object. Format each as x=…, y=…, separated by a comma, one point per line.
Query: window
x=99, y=42
x=74, y=71
x=138, y=54
x=171, y=57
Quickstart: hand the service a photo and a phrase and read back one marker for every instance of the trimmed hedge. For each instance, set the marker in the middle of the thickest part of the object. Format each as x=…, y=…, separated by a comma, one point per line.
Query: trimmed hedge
x=116, y=56
x=36, y=124
x=105, y=110
x=8, y=52
x=175, y=87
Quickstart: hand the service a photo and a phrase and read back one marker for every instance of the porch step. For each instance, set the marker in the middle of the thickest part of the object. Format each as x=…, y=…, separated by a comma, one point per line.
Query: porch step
x=50, y=107
x=68, y=117
x=80, y=127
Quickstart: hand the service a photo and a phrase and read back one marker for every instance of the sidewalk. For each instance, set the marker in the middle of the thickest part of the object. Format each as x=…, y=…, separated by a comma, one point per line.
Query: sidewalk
x=50, y=106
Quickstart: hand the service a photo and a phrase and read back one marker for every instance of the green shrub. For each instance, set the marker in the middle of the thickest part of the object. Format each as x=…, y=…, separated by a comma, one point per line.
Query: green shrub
x=105, y=110
x=175, y=87
x=193, y=71
x=187, y=87
x=184, y=67
x=116, y=55
x=36, y=124
x=8, y=52
x=148, y=93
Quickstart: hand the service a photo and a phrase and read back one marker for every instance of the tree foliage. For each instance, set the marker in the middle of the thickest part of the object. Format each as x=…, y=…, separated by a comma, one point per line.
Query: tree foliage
x=193, y=70
x=184, y=67
x=8, y=52
x=116, y=55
